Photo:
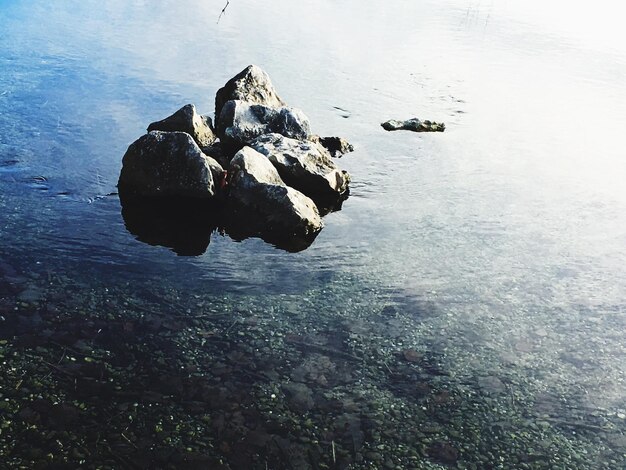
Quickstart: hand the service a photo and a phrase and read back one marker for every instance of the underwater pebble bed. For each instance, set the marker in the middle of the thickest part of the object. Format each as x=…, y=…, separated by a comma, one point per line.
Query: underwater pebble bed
x=128, y=376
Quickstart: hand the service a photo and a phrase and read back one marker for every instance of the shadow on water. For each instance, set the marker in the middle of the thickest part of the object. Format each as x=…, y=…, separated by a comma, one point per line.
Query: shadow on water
x=328, y=204
x=186, y=225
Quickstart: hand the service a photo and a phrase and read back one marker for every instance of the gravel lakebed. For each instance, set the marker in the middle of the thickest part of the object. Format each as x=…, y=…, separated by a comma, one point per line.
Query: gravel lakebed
x=106, y=375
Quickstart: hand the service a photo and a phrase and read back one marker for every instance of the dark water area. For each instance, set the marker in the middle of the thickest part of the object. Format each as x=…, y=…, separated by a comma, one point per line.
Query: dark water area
x=464, y=308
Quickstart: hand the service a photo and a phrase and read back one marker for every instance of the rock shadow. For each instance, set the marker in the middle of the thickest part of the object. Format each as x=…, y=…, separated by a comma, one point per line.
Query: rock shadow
x=185, y=225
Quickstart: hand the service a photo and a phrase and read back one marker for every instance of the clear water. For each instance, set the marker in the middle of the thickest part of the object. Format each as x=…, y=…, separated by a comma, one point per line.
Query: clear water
x=465, y=308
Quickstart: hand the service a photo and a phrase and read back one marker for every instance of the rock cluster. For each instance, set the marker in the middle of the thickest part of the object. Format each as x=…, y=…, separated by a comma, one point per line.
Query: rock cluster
x=260, y=160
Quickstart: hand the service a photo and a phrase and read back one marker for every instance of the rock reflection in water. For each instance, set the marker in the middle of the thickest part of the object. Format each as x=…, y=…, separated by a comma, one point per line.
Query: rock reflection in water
x=186, y=225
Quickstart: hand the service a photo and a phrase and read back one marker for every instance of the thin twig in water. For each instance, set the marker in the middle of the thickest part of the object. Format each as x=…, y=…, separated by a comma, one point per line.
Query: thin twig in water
x=58, y=369
x=123, y=460
x=571, y=424
x=59, y=362
x=62, y=356
x=332, y=443
x=223, y=11
x=128, y=440
x=324, y=350
x=65, y=350
x=231, y=326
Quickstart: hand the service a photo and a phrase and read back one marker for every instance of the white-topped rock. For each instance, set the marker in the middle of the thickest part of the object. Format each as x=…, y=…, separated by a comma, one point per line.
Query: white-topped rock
x=303, y=165
x=256, y=185
x=253, y=85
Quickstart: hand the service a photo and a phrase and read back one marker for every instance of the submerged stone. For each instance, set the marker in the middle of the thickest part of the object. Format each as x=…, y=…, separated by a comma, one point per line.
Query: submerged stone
x=299, y=396
x=444, y=452
x=336, y=146
x=414, y=125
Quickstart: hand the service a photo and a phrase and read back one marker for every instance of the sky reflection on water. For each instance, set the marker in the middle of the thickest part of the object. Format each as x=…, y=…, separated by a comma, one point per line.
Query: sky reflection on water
x=499, y=244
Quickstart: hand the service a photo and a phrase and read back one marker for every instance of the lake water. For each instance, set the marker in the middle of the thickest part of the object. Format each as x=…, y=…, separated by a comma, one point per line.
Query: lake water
x=465, y=308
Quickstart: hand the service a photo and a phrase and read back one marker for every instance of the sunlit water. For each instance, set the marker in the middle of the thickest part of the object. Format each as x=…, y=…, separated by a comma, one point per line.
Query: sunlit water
x=494, y=251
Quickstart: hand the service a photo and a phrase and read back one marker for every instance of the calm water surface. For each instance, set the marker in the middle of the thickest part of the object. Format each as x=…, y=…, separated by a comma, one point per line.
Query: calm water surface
x=465, y=309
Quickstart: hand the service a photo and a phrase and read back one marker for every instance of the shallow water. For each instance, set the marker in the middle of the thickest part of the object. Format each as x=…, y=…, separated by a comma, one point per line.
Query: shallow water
x=465, y=308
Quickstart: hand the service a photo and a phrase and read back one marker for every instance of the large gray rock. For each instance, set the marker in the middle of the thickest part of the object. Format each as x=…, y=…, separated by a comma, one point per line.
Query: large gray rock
x=253, y=85
x=241, y=122
x=167, y=164
x=303, y=165
x=186, y=119
x=256, y=185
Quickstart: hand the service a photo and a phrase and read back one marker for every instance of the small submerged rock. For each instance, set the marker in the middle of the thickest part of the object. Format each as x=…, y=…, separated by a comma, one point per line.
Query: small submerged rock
x=415, y=125
x=411, y=355
x=299, y=396
x=31, y=294
x=443, y=452
x=336, y=146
